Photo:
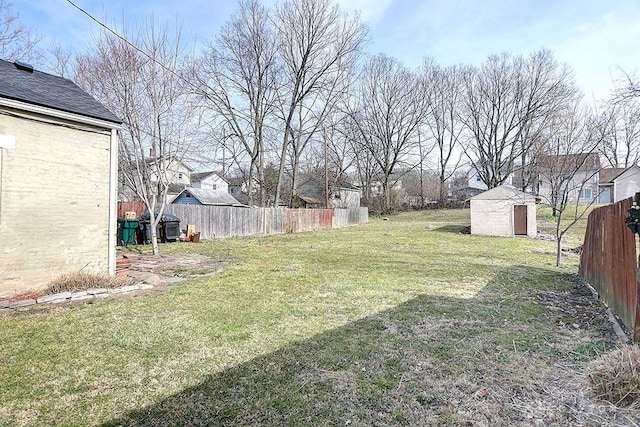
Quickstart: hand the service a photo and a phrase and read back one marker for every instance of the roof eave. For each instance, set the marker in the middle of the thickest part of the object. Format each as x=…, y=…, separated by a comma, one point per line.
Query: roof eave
x=59, y=114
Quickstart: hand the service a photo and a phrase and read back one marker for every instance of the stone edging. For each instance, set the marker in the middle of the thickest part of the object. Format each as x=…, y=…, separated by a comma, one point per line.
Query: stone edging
x=72, y=296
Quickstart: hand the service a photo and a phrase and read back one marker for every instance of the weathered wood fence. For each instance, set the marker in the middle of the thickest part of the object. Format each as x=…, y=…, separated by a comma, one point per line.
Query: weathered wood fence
x=609, y=263
x=226, y=221
x=137, y=207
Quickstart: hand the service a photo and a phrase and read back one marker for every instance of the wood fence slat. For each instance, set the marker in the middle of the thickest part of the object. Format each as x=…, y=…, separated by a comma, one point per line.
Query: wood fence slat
x=226, y=221
x=609, y=262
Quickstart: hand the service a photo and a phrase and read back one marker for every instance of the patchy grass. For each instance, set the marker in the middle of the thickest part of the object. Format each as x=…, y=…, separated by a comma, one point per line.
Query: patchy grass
x=398, y=322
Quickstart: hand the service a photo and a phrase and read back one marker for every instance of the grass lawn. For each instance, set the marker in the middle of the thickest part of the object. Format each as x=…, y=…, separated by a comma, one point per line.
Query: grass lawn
x=402, y=321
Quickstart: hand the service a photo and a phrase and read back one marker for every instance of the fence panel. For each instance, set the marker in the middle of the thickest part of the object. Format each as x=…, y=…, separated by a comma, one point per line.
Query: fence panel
x=225, y=221
x=609, y=263
x=137, y=207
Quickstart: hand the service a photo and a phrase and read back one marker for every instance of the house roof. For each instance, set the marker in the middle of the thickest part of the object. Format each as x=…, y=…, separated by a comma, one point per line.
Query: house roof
x=608, y=175
x=171, y=158
x=584, y=161
x=504, y=192
x=199, y=176
x=175, y=187
x=313, y=188
x=467, y=190
x=210, y=197
x=20, y=82
x=235, y=181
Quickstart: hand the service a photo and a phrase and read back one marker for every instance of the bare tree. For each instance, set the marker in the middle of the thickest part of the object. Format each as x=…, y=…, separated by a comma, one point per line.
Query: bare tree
x=318, y=46
x=388, y=110
x=569, y=169
x=506, y=102
x=237, y=76
x=443, y=124
x=139, y=81
x=619, y=126
x=17, y=42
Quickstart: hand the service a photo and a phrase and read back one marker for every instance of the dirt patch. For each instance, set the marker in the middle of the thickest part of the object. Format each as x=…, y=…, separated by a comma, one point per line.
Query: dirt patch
x=177, y=266
x=578, y=309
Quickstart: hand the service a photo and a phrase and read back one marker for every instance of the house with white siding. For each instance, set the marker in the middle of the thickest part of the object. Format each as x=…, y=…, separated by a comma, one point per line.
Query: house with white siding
x=209, y=181
x=58, y=180
x=576, y=173
x=617, y=184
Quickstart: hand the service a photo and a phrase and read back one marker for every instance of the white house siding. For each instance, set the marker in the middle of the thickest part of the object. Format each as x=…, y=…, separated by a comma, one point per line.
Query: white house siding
x=212, y=182
x=627, y=184
x=54, y=206
x=589, y=178
x=348, y=199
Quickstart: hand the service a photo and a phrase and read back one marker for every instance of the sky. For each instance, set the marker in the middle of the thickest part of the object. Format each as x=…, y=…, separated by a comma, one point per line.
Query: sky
x=597, y=38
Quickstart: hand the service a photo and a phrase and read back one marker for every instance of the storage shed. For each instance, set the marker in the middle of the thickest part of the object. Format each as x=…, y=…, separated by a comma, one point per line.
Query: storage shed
x=503, y=211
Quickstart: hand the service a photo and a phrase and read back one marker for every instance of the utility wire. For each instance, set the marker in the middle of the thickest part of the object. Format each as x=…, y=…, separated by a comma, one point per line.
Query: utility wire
x=124, y=39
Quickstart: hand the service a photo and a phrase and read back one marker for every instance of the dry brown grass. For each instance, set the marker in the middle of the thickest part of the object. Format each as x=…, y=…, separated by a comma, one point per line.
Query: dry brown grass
x=81, y=281
x=615, y=376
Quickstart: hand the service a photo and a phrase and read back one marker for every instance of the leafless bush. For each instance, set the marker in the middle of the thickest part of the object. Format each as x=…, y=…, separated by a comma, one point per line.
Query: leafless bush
x=80, y=281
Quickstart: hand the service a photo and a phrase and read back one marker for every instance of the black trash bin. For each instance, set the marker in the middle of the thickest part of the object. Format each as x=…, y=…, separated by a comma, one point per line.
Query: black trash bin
x=168, y=229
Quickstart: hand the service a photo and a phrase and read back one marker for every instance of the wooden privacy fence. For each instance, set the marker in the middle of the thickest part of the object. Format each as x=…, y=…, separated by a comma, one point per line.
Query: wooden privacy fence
x=137, y=207
x=226, y=221
x=609, y=265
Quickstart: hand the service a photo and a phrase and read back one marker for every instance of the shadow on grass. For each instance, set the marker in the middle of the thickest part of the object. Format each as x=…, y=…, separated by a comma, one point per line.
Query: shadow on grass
x=423, y=362
x=456, y=229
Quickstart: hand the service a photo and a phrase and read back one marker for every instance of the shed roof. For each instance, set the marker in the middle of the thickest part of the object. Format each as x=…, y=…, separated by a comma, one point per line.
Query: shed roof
x=504, y=192
x=210, y=197
x=22, y=83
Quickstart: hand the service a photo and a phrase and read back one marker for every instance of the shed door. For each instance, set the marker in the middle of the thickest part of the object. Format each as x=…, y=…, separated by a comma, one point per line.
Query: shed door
x=520, y=220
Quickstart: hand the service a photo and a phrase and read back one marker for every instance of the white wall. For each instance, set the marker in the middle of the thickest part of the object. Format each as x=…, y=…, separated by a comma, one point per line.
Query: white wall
x=212, y=182
x=627, y=184
x=495, y=217
x=54, y=209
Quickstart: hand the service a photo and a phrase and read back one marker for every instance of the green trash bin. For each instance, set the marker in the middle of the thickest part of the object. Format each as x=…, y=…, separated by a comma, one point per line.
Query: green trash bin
x=129, y=227
x=120, y=242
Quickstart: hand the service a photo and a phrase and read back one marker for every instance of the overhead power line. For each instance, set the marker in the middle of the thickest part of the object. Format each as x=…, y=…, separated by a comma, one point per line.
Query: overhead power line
x=131, y=44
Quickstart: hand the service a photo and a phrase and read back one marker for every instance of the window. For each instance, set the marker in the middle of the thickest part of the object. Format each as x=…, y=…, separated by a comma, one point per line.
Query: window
x=478, y=178
x=586, y=193
x=179, y=175
x=214, y=187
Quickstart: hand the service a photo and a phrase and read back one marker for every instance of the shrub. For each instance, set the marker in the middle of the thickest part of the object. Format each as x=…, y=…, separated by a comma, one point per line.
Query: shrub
x=80, y=281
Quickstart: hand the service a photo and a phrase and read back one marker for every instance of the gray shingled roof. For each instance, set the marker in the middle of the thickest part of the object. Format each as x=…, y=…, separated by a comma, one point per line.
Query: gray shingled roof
x=46, y=90
x=211, y=197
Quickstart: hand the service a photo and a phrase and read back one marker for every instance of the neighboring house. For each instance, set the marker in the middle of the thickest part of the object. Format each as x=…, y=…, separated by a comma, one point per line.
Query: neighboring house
x=474, y=180
x=464, y=193
x=203, y=196
x=311, y=194
x=617, y=184
x=238, y=189
x=377, y=188
x=174, y=171
x=58, y=180
x=580, y=169
x=209, y=180
x=503, y=211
